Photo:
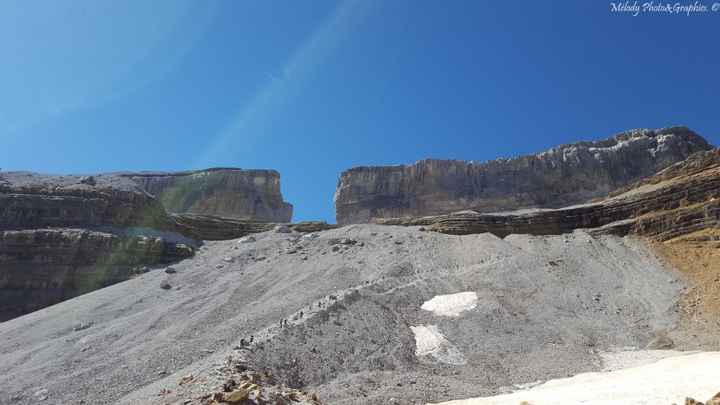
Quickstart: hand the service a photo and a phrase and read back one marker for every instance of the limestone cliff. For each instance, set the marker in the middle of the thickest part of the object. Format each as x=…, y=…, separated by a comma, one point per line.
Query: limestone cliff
x=224, y=192
x=41, y=267
x=31, y=200
x=61, y=236
x=682, y=199
x=564, y=175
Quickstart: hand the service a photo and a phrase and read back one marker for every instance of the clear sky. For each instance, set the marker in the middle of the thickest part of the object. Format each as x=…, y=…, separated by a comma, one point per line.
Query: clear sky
x=313, y=87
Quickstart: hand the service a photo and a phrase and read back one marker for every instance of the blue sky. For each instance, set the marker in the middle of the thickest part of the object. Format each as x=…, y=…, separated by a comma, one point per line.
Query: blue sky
x=311, y=88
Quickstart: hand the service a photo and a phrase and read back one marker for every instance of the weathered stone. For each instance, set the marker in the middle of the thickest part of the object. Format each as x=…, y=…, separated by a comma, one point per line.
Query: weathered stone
x=282, y=229
x=565, y=175
x=224, y=192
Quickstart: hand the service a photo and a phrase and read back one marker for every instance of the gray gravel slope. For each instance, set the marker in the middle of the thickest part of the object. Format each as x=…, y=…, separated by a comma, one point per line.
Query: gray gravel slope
x=546, y=307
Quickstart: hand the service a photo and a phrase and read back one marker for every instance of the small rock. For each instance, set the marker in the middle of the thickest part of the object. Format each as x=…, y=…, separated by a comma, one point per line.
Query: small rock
x=89, y=180
x=661, y=342
x=82, y=326
x=170, y=270
x=228, y=260
x=165, y=285
x=398, y=242
x=247, y=239
x=282, y=229
x=219, y=266
x=41, y=393
x=335, y=248
x=239, y=395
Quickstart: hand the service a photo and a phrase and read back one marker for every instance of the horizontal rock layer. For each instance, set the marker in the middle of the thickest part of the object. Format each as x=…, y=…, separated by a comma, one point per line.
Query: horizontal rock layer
x=567, y=174
x=224, y=192
x=41, y=267
x=205, y=227
x=673, y=203
x=29, y=200
x=61, y=236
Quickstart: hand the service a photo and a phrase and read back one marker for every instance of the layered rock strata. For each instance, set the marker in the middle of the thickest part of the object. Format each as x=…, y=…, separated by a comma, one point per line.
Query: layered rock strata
x=41, y=267
x=61, y=236
x=561, y=176
x=206, y=227
x=682, y=199
x=30, y=200
x=223, y=192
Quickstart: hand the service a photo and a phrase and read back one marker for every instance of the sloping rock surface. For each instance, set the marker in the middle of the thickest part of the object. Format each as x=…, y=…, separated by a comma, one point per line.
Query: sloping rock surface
x=334, y=313
x=561, y=176
x=222, y=192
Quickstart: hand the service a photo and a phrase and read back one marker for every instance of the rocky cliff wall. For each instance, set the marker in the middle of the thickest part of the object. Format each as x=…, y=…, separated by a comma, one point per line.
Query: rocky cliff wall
x=31, y=200
x=684, y=198
x=41, y=267
x=61, y=236
x=224, y=192
x=565, y=175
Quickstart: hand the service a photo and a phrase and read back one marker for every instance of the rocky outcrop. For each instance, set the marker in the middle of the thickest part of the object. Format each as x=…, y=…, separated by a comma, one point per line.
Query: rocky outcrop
x=31, y=200
x=223, y=192
x=565, y=175
x=206, y=227
x=683, y=199
x=61, y=236
x=40, y=267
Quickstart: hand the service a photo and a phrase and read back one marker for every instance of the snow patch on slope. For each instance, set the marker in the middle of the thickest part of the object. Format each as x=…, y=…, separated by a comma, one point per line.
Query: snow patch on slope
x=429, y=341
x=664, y=382
x=451, y=304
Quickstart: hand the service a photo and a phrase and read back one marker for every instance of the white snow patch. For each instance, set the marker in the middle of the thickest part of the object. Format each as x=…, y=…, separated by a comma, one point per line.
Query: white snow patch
x=451, y=304
x=667, y=381
x=621, y=359
x=429, y=341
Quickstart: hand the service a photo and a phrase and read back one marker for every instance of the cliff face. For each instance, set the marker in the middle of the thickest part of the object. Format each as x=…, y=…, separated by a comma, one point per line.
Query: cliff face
x=61, y=236
x=680, y=200
x=561, y=176
x=41, y=267
x=230, y=193
x=29, y=200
